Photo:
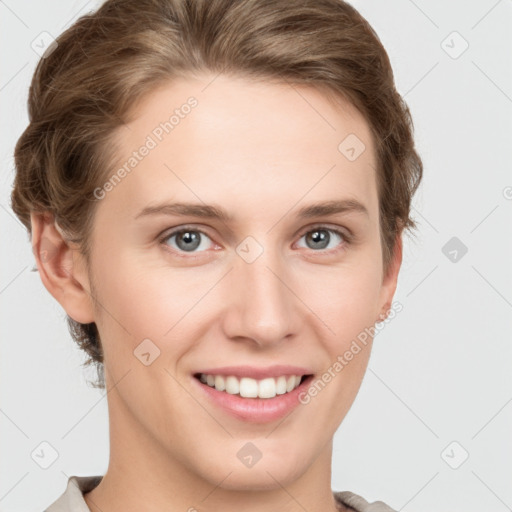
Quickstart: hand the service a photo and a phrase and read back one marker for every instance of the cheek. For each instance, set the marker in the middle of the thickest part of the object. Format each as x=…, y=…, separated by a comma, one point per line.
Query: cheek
x=349, y=307
x=346, y=300
x=151, y=302
x=145, y=300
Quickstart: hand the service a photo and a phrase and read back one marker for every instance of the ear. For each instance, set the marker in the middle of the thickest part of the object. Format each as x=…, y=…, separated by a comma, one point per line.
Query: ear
x=62, y=268
x=390, y=278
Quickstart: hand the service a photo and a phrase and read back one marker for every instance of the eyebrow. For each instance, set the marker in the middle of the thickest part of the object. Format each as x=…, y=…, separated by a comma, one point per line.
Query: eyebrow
x=216, y=212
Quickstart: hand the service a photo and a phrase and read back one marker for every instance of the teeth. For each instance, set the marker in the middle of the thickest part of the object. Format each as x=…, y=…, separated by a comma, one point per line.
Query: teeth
x=220, y=383
x=267, y=388
x=281, y=386
x=249, y=388
x=252, y=388
x=232, y=386
x=290, y=383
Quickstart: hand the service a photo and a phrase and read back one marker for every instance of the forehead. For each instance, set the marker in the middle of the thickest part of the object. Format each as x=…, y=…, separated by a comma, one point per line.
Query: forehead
x=246, y=142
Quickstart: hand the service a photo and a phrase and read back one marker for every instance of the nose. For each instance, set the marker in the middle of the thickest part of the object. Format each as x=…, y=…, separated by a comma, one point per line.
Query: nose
x=261, y=307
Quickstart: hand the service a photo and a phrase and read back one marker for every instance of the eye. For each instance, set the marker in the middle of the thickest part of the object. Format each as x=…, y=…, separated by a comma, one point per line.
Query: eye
x=186, y=240
x=319, y=238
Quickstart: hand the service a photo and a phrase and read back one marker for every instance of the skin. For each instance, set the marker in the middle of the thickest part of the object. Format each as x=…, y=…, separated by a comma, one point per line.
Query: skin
x=260, y=150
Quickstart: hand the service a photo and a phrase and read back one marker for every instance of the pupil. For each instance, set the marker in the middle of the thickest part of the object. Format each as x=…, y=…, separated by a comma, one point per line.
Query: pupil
x=320, y=237
x=189, y=237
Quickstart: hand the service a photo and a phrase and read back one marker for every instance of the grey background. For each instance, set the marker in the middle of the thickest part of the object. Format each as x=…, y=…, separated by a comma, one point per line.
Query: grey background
x=439, y=372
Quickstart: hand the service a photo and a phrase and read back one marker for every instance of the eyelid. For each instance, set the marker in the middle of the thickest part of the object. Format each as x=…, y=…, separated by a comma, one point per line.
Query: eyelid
x=345, y=233
x=178, y=229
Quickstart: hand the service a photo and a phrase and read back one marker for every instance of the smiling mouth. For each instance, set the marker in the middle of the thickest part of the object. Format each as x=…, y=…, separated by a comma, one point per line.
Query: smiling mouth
x=247, y=387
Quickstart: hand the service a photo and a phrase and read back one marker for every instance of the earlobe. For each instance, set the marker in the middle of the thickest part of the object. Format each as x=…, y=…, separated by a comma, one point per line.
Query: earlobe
x=61, y=268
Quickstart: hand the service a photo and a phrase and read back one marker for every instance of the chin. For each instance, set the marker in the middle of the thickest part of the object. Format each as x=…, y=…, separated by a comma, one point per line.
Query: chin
x=273, y=470
x=257, y=479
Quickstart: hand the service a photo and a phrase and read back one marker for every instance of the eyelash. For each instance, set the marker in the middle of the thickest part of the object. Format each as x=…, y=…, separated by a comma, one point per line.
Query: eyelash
x=346, y=237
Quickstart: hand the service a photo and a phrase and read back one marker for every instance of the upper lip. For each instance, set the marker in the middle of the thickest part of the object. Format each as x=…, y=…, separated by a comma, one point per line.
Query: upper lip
x=255, y=372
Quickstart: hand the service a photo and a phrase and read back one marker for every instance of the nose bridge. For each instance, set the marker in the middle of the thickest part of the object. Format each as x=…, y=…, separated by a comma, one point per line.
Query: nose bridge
x=261, y=306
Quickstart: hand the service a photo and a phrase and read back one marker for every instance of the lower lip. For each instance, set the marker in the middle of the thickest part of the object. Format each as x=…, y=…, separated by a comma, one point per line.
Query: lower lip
x=256, y=410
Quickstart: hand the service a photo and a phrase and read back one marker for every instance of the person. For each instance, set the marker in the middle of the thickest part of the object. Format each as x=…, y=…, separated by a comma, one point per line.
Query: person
x=269, y=138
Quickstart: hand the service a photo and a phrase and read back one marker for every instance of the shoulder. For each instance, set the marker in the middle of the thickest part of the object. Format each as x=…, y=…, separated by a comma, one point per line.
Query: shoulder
x=359, y=504
x=72, y=499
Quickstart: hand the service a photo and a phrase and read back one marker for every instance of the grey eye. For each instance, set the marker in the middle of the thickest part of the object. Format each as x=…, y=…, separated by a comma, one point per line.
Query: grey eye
x=319, y=238
x=187, y=240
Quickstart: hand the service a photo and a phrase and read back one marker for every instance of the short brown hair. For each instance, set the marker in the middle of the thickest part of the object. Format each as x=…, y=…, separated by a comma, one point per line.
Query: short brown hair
x=83, y=90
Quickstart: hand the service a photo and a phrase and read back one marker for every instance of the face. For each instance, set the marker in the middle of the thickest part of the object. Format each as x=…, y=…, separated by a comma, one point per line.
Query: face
x=272, y=289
